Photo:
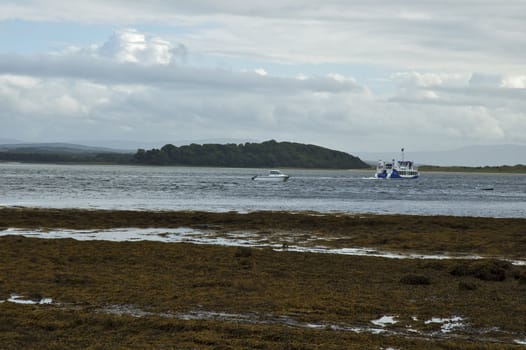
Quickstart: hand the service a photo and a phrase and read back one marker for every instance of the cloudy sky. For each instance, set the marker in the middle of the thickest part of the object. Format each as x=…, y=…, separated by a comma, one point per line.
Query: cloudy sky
x=350, y=75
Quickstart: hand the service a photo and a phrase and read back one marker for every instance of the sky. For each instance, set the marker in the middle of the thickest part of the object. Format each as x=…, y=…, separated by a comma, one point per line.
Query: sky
x=363, y=75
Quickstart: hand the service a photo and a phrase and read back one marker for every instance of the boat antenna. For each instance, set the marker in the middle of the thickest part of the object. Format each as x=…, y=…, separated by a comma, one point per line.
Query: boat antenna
x=402, y=153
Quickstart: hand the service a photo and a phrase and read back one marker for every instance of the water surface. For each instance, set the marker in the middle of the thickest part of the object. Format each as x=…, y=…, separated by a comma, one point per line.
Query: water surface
x=225, y=189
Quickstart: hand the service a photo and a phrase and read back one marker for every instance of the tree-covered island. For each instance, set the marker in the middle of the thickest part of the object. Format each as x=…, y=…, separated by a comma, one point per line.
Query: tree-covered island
x=250, y=155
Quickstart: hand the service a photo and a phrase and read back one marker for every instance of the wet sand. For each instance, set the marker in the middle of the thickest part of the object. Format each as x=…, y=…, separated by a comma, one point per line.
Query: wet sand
x=147, y=294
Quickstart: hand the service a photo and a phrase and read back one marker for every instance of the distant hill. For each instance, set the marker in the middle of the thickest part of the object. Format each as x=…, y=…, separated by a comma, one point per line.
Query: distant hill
x=270, y=154
x=62, y=153
x=55, y=148
x=6, y=140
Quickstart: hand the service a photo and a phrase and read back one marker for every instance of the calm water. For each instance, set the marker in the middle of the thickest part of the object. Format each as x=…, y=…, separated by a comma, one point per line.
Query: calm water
x=223, y=189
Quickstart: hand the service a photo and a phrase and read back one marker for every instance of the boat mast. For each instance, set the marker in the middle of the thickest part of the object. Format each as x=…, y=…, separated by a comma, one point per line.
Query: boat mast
x=402, y=153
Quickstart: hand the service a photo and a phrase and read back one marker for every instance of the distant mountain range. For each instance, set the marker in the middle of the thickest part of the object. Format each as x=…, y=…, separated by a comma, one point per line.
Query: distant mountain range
x=491, y=155
x=129, y=146
x=56, y=148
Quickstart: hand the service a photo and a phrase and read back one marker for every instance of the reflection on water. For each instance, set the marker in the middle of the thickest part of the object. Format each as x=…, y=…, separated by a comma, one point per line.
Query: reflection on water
x=224, y=189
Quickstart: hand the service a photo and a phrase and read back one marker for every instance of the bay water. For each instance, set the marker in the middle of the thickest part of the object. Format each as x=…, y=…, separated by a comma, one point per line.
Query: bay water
x=232, y=189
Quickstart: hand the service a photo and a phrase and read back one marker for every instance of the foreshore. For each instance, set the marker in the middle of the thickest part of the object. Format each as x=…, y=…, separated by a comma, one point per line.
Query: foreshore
x=147, y=294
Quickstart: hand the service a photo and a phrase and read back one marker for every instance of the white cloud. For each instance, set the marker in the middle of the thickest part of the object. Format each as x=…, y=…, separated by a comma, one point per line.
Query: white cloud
x=8, y=81
x=52, y=97
x=340, y=78
x=514, y=82
x=131, y=46
x=302, y=77
x=417, y=79
x=261, y=71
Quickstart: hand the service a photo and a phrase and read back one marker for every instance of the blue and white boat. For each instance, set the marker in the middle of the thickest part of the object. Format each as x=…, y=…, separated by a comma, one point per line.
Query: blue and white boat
x=402, y=169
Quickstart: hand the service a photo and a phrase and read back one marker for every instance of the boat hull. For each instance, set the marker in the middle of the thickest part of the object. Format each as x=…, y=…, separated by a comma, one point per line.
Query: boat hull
x=395, y=175
x=384, y=176
x=270, y=178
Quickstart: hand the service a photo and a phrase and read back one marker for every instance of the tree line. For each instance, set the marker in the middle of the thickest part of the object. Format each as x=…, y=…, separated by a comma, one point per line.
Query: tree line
x=250, y=155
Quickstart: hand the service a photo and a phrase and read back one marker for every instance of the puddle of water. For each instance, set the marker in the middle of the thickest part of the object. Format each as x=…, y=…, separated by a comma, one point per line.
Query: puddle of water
x=384, y=321
x=448, y=324
x=17, y=299
x=195, y=236
x=236, y=317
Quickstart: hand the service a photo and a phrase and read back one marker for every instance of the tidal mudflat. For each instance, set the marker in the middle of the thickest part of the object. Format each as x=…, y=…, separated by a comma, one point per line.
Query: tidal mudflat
x=258, y=280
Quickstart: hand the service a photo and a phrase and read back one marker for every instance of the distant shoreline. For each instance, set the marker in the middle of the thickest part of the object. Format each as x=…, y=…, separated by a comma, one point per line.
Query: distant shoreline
x=268, y=154
x=503, y=169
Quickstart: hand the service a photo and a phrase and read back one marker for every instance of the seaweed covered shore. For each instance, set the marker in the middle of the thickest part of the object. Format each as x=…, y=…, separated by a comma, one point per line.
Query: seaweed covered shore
x=68, y=293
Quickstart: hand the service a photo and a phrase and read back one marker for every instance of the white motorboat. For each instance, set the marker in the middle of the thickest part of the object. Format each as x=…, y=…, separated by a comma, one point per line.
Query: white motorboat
x=273, y=175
